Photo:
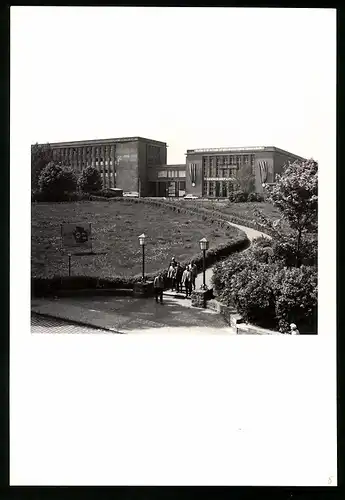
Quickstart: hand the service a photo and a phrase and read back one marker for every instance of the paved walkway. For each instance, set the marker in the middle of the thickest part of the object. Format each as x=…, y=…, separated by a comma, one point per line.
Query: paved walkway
x=251, y=235
x=136, y=315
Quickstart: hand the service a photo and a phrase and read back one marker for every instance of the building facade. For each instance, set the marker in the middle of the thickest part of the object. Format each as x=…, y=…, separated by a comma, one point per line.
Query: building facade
x=122, y=163
x=213, y=173
x=167, y=180
x=139, y=165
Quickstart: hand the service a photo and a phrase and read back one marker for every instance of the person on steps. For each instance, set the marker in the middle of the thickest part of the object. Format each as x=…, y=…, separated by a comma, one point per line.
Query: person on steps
x=158, y=285
x=178, y=278
x=187, y=281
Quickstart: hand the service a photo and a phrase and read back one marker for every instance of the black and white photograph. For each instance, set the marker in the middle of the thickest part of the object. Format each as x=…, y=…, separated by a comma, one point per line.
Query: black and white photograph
x=173, y=157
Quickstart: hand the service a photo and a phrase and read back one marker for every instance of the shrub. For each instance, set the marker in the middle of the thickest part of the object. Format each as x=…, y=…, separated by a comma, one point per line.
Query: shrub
x=55, y=181
x=295, y=291
x=255, y=197
x=253, y=294
x=238, y=196
x=285, y=250
x=90, y=180
x=266, y=293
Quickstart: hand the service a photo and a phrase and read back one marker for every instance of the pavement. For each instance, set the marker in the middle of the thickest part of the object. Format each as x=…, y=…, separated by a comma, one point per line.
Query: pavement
x=124, y=315
x=134, y=315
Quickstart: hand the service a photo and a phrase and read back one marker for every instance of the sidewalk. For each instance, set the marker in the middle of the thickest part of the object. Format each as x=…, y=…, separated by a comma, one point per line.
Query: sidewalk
x=134, y=315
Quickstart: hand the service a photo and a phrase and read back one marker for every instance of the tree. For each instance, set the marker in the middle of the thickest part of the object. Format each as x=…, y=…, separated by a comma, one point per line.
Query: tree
x=90, y=180
x=245, y=180
x=295, y=194
x=56, y=180
x=41, y=155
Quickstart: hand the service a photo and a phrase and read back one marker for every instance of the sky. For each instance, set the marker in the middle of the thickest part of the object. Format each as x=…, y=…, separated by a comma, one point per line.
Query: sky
x=190, y=77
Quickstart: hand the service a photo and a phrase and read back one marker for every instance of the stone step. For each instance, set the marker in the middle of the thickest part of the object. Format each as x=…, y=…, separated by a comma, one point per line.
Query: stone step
x=176, y=295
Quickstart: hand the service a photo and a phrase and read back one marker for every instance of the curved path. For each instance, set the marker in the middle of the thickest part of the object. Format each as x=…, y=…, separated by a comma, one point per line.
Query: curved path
x=251, y=235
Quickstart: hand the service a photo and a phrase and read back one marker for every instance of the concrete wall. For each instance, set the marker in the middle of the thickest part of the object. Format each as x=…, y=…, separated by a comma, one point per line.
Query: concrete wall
x=197, y=189
x=263, y=156
x=127, y=169
x=280, y=160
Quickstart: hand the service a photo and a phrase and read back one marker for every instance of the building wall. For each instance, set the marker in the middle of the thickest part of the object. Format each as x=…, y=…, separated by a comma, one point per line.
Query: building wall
x=194, y=159
x=167, y=180
x=281, y=159
x=127, y=168
x=152, y=155
x=268, y=157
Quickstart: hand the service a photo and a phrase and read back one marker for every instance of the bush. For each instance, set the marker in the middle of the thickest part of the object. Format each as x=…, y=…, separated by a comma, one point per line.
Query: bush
x=38, y=196
x=55, y=181
x=295, y=291
x=267, y=293
x=253, y=294
x=90, y=180
x=238, y=197
x=255, y=197
x=285, y=250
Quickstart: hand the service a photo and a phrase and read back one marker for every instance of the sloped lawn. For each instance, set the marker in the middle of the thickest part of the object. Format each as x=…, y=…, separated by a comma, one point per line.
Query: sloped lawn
x=115, y=231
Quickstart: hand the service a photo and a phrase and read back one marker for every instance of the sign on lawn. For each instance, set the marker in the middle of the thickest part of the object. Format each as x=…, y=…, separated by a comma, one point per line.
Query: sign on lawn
x=76, y=235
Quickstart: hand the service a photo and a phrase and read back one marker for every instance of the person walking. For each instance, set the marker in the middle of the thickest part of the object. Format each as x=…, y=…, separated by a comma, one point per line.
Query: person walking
x=194, y=272
x=171, y=275
x=187, y=281
x=158, y=285
x=178, y=277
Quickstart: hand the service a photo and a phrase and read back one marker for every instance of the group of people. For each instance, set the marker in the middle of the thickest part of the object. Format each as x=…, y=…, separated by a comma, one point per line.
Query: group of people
x=178, y=278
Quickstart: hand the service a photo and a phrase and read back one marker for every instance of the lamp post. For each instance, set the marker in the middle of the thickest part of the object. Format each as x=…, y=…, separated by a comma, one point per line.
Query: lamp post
x=142, y=238
x=204, y=247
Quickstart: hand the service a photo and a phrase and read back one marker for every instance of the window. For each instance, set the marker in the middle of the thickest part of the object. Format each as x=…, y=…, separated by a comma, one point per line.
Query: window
x=224, y=190
x=239, y=160
x=182, y=173
x=211, y=161
x=217, y=172
x=246, y=159
x=162, y=173
x=204, y=190
x=211, y=187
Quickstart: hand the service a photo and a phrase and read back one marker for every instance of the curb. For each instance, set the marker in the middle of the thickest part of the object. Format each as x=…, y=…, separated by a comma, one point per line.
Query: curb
x=75, y=322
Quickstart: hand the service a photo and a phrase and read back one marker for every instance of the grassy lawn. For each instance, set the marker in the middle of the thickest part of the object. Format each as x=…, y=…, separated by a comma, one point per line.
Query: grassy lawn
x=243, y=210
x=115, y=230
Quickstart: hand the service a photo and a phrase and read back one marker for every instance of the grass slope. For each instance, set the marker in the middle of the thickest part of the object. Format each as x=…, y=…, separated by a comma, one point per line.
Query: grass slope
x=115, y=231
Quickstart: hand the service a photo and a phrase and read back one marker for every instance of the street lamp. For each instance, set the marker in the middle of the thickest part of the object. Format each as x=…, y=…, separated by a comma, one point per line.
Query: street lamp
x=142, y=238
x=204, y=247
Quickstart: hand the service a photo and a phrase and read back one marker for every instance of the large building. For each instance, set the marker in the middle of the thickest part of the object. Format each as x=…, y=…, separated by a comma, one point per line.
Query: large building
x=123, y=163
x=139, y=165
x=212, y=172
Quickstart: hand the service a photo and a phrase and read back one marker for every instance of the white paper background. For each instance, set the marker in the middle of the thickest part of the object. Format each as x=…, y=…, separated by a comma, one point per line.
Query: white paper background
x=141, y=410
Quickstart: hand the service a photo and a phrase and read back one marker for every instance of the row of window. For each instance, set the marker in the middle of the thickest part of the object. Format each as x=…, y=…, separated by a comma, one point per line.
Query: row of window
x=217, y=189
x=219, y=172
x=210, y=161
x=81, y=151
x=171, y=173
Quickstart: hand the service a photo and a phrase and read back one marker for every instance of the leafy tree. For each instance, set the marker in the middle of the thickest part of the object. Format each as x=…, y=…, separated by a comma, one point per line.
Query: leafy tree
x=245, y=179
x=90, y=180
x=295, y=194
x=41, y=155
x=56, y=180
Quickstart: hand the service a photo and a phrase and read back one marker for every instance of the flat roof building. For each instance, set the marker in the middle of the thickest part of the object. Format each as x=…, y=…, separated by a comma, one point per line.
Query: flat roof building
x=137, y=164
x=122, y=162
x=212, y=172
